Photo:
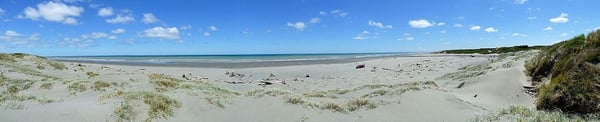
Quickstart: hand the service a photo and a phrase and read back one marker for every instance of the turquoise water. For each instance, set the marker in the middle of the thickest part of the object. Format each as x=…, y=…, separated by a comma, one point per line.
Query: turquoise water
x=224, y=58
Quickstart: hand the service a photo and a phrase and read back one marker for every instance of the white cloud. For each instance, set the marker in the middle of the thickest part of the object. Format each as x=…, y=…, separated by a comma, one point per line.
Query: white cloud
x=171, y=33
x=53, y=11
x=338, y=13
x=518, y=35
x=564, y=34
x=97, y=35
x=491, y=30
x=149, y=18
x=118, y=31
x=532, y=18
x=442, y=31
x=379, y=25
x=206, y=33
x=458, y=25
x=186, y=27
x=112, y=37
x=298, y=25
x=77, y=42
x=562, y=18
x=441, y=24
x=212, y=28
x=11, y=33
x=421, y=23
x=362, y=36
x=2, y=11
x=315, y=20
x=410, y=38
x=322, y=13
x=520, y=2
x=548, y=29
x=475, y=28
x=108, y=11
x=120, y=19
x=15, y=38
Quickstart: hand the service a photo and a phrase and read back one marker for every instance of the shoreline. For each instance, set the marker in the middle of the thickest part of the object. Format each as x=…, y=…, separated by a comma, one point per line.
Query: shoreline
x=242, y=65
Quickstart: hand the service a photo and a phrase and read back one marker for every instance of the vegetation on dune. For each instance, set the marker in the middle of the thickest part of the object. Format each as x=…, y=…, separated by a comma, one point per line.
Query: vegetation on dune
x=100, y=85
x=91, y=74
x=41, y=62
x=574, y=73
x=267, y=92
x=164, y=82
x=77, y=87
x=524, y=114
x=160, y=105
x=46, y=86
x=214, y=95
x=494, y=50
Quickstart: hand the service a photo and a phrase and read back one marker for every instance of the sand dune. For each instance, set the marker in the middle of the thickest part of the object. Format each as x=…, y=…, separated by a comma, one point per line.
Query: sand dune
x=387, y=89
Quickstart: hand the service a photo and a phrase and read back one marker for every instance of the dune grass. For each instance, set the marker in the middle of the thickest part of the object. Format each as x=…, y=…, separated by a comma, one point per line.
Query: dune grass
x=524, y=114
x=160, y=105
x=296, y=100
x=91, y=74
x=267, y=92
x=46, y=85
x=494, y=50
x=164, y=82
x=100, y=85
x=573, y=70
x=357, y=104
x=80, y=86
x=15, y=101
x=124, y=112
x=214, y=95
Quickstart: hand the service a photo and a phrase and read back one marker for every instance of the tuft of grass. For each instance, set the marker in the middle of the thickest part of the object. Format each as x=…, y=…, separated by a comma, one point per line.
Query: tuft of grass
x=355, y=105
x=15, y=101
x=334, y=107
x=164, y=82
x=296, y=100
x=124, y=112
x=376, y=93
x=77, y=87
x=91, y=74
x=268, y=92
x=161, y=106
x=321, y=94
x=100, y=85
x=46, y=85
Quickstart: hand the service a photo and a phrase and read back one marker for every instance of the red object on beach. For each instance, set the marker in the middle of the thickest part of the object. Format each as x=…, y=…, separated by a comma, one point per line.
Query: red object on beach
x=360, y=66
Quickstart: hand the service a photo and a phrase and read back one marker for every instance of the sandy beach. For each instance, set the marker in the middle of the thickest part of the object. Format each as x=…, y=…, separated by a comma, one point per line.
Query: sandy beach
x=427, y=87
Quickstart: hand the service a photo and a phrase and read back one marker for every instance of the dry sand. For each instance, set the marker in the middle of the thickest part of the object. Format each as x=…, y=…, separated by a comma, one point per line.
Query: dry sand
x=423, y=88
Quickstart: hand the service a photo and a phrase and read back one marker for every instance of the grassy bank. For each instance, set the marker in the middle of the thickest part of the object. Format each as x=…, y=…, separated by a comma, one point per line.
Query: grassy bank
x=494, y=50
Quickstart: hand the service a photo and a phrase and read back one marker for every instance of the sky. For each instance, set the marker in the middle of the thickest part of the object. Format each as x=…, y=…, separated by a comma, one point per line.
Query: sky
x=199, y=27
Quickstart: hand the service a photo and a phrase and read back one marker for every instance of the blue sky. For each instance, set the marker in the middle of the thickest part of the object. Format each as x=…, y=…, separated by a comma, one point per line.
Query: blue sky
x=135, y=27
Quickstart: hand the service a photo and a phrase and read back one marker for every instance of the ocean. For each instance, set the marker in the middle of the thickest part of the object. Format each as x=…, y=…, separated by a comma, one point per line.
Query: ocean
x=227, y=61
